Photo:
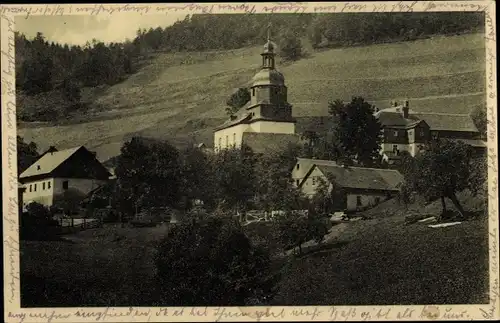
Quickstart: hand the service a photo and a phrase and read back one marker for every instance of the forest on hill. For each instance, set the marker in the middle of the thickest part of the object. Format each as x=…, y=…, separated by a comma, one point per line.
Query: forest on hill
x=64, y=71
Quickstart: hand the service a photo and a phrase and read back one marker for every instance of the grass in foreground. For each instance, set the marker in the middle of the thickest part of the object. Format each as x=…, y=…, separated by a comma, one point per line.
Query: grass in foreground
x=385, y=261
x=380, y=261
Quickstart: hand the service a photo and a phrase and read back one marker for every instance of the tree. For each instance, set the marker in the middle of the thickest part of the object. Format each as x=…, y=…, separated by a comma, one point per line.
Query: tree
x=297, y=227
x=441, y=172
x=290, y=47
x=237, y=100
x=478, y=179
x=274, y=186
x=197, y=176
x=234, y=178
x=480, y=119
x=148, y=175
x=218, y=266
x=71, y=90
x=27, y=154
x=357, y=130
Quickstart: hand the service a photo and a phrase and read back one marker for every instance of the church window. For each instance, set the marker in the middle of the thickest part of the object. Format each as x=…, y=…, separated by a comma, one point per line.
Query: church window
x=298, y=166
x=43, y=185
x=234, y=138
x=48, y=185
x=220, y=142
x=395, y=133
x=297, y=182
x=30, y=187
x=358, y=200
x=253, y=91
x=34, y=188
x=314, y=180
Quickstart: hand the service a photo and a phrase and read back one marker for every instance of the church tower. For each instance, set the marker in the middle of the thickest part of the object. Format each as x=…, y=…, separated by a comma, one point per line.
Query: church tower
x=266, y=121
x=268, y=91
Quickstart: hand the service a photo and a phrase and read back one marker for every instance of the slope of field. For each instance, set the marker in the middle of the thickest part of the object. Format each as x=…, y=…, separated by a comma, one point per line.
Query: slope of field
x=181, y=97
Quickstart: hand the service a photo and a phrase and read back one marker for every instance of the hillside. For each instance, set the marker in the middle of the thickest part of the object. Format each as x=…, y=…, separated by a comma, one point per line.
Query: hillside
x=181, y=97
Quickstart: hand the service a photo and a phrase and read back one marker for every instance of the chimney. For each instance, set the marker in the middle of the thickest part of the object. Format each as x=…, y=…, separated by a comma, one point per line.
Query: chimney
x=406, y=109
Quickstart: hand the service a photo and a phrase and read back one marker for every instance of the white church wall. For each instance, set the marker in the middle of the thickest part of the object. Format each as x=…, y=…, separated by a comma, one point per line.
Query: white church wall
x=229, y=137
x=273, y=127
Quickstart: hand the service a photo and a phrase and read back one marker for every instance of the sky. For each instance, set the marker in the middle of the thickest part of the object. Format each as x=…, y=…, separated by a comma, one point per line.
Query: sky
x=78, y=29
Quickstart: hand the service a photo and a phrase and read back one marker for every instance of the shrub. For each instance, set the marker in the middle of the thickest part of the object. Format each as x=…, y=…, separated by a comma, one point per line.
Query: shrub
x=212, y=263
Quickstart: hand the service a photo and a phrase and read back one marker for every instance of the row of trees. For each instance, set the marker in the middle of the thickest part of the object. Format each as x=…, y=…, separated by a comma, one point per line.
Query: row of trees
x=42, y=66
x=328, y=30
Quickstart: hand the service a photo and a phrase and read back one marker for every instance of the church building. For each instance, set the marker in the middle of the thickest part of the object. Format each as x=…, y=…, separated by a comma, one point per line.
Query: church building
x=265, y=123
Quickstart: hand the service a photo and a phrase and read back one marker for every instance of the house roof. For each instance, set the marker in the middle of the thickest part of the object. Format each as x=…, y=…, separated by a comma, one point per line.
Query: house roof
x=261, y=142
x=307, y=163
x=363, y=178
x=392, y=117
x=48, y=162
x=449, y=122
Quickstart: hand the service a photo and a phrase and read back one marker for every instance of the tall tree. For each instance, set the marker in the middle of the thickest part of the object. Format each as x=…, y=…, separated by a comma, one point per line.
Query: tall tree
x=27, y=154
x=237, y=100
x=290, y=46
x=357, y=130
x=148, y=174
x=197, y=177
x=441, y=172
x=234, y=178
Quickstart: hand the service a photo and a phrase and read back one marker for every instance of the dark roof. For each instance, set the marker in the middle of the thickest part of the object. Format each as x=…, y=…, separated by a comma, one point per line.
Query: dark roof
x=265, y=143
x=364, y=178
x=392, y=117
x=242, y=116
x=49, y=161
x=449, y=122
x=396, y=120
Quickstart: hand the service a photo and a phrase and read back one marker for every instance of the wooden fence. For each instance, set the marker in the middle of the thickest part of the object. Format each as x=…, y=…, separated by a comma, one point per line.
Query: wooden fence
x=75, y=225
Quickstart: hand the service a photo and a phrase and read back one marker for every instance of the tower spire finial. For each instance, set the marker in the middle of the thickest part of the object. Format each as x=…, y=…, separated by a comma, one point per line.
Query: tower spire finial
x=269, y=31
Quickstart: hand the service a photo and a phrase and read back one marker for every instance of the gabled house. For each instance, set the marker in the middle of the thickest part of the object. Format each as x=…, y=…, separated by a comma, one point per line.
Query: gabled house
x=59, y=171
x=356, y=187
x=303, y=165
x=407, y=130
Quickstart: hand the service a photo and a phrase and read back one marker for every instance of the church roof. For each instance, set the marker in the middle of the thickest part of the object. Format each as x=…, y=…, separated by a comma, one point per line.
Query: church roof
x=269, y=47
x=268, y=143
x=268, y=76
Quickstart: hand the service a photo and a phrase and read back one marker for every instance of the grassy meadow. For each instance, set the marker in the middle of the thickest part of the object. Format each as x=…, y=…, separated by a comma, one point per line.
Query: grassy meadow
x=181, y=97
x=377, y=261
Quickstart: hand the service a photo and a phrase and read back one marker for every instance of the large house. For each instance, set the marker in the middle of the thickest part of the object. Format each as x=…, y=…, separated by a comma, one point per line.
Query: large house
x=407, y=130
x=265, y=123
x=59, y=171
x=357, y=187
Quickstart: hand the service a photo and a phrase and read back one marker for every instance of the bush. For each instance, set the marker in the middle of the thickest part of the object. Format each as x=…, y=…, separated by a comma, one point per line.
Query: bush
x=290, y=47
x=212, y=264
x=37, y=223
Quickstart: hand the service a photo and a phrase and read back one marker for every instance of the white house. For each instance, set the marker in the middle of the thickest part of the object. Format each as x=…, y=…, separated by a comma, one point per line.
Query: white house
x=56, y=172
x=355, y=187
x=303, y=165
x=268, y=115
